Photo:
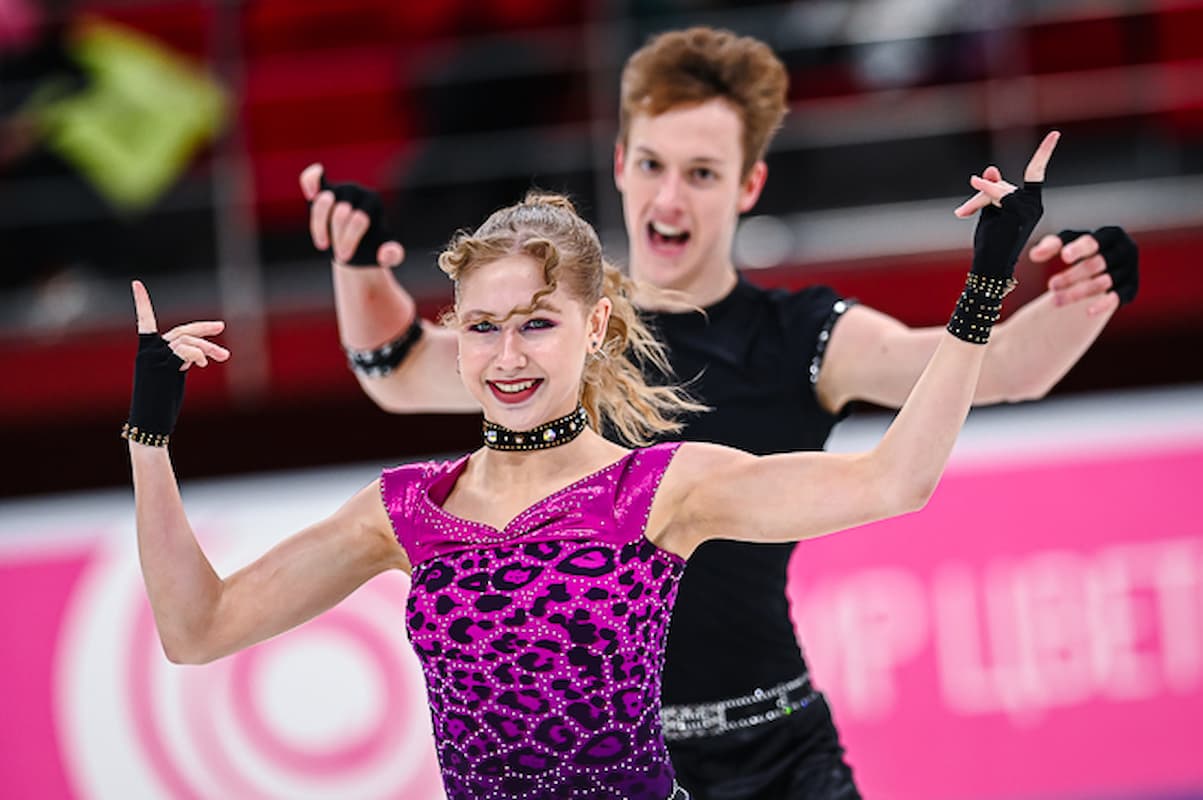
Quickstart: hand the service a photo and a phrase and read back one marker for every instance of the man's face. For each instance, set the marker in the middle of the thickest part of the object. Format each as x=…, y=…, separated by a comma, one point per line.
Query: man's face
x=682, y=193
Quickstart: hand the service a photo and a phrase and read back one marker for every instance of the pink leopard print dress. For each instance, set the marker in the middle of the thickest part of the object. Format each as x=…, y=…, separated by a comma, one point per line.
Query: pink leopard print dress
x=542, y=644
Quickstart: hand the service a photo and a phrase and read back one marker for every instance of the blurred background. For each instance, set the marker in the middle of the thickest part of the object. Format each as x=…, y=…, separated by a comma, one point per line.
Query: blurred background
x=163, y=140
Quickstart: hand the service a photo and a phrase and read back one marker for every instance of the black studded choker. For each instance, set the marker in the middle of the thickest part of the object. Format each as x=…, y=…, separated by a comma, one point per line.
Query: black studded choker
x=549, y=434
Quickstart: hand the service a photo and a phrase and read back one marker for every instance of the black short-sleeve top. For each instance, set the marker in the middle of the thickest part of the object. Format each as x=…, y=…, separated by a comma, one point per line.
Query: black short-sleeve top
x=754, y=357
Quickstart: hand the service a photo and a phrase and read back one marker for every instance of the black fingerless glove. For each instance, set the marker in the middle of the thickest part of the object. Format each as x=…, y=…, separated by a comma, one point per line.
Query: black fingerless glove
x=1120, y=254
x=1001, y=233
x=158, y=392
x=366, y=200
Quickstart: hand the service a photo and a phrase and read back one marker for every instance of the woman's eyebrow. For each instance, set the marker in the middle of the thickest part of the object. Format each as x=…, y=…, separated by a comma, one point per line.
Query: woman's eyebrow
x=477, y=315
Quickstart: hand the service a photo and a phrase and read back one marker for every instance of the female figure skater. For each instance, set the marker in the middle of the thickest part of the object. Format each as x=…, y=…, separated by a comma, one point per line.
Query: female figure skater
x=545, y=564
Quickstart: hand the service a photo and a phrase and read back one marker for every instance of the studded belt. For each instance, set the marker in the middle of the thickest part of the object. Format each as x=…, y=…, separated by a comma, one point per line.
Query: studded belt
x=737, y=713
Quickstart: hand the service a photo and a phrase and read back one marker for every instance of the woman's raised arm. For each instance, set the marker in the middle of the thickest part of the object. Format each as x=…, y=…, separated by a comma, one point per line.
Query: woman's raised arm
x=715, y=491
x=201, y=616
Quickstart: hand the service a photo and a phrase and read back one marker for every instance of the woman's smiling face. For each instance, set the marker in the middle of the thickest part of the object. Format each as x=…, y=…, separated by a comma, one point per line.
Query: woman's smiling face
x=523, y=368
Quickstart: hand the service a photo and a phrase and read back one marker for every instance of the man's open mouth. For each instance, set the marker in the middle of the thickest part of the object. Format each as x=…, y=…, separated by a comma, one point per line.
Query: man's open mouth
x=665, y=235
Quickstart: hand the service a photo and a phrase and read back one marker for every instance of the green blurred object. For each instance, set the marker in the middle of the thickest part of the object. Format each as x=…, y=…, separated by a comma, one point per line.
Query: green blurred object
x=143, y=114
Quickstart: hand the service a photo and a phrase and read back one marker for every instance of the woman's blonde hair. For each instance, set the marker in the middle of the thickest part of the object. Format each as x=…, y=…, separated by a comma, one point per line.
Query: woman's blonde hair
x=547, y=228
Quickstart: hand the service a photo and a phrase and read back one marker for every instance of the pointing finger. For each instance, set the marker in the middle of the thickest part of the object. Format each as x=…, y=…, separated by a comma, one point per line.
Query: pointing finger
x=144, y=311
x=1039, y=162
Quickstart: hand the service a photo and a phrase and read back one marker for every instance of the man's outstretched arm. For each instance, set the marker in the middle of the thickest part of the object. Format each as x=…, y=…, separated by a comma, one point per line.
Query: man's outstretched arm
x=875, y=358
x=406, y=365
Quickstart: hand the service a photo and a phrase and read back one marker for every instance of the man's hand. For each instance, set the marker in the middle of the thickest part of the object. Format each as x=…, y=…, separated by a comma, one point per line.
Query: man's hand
x=339, y=222
x=1104, y=264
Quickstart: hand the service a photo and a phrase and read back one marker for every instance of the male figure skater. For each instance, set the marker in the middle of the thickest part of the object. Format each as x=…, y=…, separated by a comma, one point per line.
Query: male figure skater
x=699, y=108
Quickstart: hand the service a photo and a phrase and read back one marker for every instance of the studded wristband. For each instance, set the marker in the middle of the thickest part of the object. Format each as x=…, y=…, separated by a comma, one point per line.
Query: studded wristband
x=382, y=360
x=133, y=434
x=979, y=307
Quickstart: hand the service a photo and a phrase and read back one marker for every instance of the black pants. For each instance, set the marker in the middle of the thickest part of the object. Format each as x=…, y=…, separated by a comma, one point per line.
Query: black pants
x=798, y=757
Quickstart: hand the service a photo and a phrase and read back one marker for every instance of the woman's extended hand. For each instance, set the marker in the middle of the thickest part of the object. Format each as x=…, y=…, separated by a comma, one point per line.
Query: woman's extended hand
x=991, y=188
x=189, y=341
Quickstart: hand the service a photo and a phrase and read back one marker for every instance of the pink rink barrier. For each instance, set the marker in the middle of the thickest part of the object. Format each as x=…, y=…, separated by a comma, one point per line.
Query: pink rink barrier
x=1035, y=632
x=92, y=708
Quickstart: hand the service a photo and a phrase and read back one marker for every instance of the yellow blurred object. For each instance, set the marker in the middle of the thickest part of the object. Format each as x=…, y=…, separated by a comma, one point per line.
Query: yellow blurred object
x=143, y=114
